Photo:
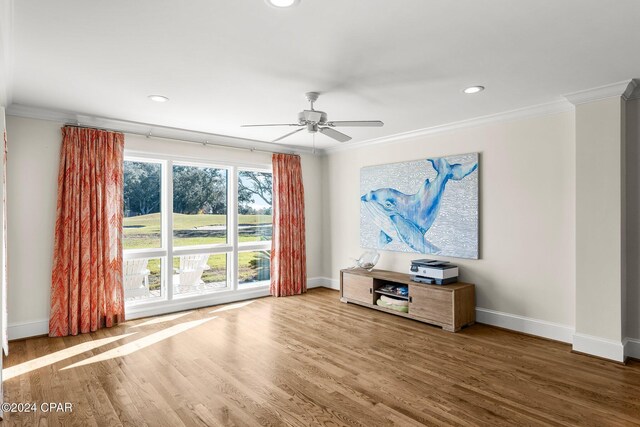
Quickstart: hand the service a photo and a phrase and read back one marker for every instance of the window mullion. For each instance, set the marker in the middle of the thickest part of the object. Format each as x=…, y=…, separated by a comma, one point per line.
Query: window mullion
x=168, y=230
x=142, y=253
x=254, y=246
x=194, y=250
x=232, y=224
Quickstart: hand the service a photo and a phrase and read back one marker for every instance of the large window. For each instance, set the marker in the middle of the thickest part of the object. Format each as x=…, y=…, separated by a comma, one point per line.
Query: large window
x=217, y=238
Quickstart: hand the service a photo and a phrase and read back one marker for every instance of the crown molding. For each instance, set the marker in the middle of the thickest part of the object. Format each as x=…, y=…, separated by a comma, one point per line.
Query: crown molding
x=627, y=90
x=554, y=107
x=150, y=130
x=621, y=89
x=633, y=90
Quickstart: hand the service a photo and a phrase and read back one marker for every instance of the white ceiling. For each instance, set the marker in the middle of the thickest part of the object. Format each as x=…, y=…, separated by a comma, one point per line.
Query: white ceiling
x=225, y=63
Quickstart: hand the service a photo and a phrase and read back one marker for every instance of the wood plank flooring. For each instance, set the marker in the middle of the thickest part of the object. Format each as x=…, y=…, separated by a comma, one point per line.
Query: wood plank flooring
x=311, y=360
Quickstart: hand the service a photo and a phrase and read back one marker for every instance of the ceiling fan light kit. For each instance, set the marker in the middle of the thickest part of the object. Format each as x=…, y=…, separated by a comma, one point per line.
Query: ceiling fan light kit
x=316, y=121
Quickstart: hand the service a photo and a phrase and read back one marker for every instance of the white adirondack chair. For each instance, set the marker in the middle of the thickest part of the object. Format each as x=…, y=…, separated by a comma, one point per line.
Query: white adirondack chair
x=136, y=278
x=190, y=273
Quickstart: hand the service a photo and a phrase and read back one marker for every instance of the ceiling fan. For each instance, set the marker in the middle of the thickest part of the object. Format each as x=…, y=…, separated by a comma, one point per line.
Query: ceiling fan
x=316, y=121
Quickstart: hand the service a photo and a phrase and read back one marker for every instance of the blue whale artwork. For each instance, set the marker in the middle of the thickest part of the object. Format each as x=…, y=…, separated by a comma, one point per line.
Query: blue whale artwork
x=428, y=206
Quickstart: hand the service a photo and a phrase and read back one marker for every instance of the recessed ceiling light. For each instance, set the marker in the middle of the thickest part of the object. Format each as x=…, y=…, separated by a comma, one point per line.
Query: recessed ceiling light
x=473, y=89
x=282, y=3
x=158, y=98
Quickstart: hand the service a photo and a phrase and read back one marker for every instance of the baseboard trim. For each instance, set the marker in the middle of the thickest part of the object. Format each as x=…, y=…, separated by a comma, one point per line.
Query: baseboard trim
x=526, y=325
x=323, y=282
x=587, y=344
x=18, y=331
x=600, y=347
x=632, y=348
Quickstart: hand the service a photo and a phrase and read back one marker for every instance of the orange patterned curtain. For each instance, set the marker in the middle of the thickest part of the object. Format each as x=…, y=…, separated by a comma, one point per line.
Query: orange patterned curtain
x=86, y=283
x=288, y=253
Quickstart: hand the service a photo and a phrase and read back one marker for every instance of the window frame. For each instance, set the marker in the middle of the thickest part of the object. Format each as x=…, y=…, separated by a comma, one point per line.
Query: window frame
x=167, y=252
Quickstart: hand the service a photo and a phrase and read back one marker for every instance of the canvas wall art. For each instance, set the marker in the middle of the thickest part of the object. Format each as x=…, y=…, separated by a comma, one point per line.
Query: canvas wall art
x=427, y=206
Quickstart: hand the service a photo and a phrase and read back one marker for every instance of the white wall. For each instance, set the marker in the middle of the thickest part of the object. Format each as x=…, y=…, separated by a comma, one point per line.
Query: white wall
x=527, y=213
x=32, y=177
x=599, y=219
x=32, y=174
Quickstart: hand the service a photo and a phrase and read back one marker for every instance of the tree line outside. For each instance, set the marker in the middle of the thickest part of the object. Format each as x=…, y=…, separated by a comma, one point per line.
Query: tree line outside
x=199, y=214
x=195, y=190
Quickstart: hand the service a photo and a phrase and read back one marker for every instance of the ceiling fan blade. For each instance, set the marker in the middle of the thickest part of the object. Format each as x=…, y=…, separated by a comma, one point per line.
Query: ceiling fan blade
x=332, y=133
x=289, y=134
x=282, y=124
x=355, y=123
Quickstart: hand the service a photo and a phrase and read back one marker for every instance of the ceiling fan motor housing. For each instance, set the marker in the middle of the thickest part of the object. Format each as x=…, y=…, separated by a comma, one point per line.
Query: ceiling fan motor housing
x=312, y=116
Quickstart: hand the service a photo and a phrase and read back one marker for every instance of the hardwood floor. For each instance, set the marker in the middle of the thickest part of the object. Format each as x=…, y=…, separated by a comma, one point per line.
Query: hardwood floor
x=311, y=360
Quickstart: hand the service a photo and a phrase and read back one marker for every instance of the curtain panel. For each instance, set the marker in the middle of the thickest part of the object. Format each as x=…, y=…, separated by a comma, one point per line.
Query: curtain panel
x=288, y=252
x=86, y=285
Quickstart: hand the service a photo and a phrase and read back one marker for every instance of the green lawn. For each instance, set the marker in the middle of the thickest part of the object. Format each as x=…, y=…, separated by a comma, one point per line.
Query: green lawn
x=143, y=232
x=149, y=224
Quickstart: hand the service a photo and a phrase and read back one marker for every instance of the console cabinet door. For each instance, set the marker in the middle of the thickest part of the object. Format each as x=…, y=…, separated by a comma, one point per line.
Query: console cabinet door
x=431, y=304
x=357, y=288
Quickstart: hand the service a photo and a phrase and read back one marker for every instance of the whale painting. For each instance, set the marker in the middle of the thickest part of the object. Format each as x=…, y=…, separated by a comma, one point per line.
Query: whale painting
x=425, y=206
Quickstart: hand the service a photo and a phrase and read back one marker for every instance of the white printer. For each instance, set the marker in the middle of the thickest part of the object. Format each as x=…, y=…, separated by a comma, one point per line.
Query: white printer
x=433, y=271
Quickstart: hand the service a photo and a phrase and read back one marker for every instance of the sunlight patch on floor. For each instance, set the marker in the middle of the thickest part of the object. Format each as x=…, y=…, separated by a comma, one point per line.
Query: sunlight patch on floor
x=141, y=343
x=162, y=319
x=232, y=306
x=50, y=359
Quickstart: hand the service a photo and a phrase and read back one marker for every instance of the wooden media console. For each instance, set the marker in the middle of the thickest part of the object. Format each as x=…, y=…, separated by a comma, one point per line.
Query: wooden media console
x=449, y=306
